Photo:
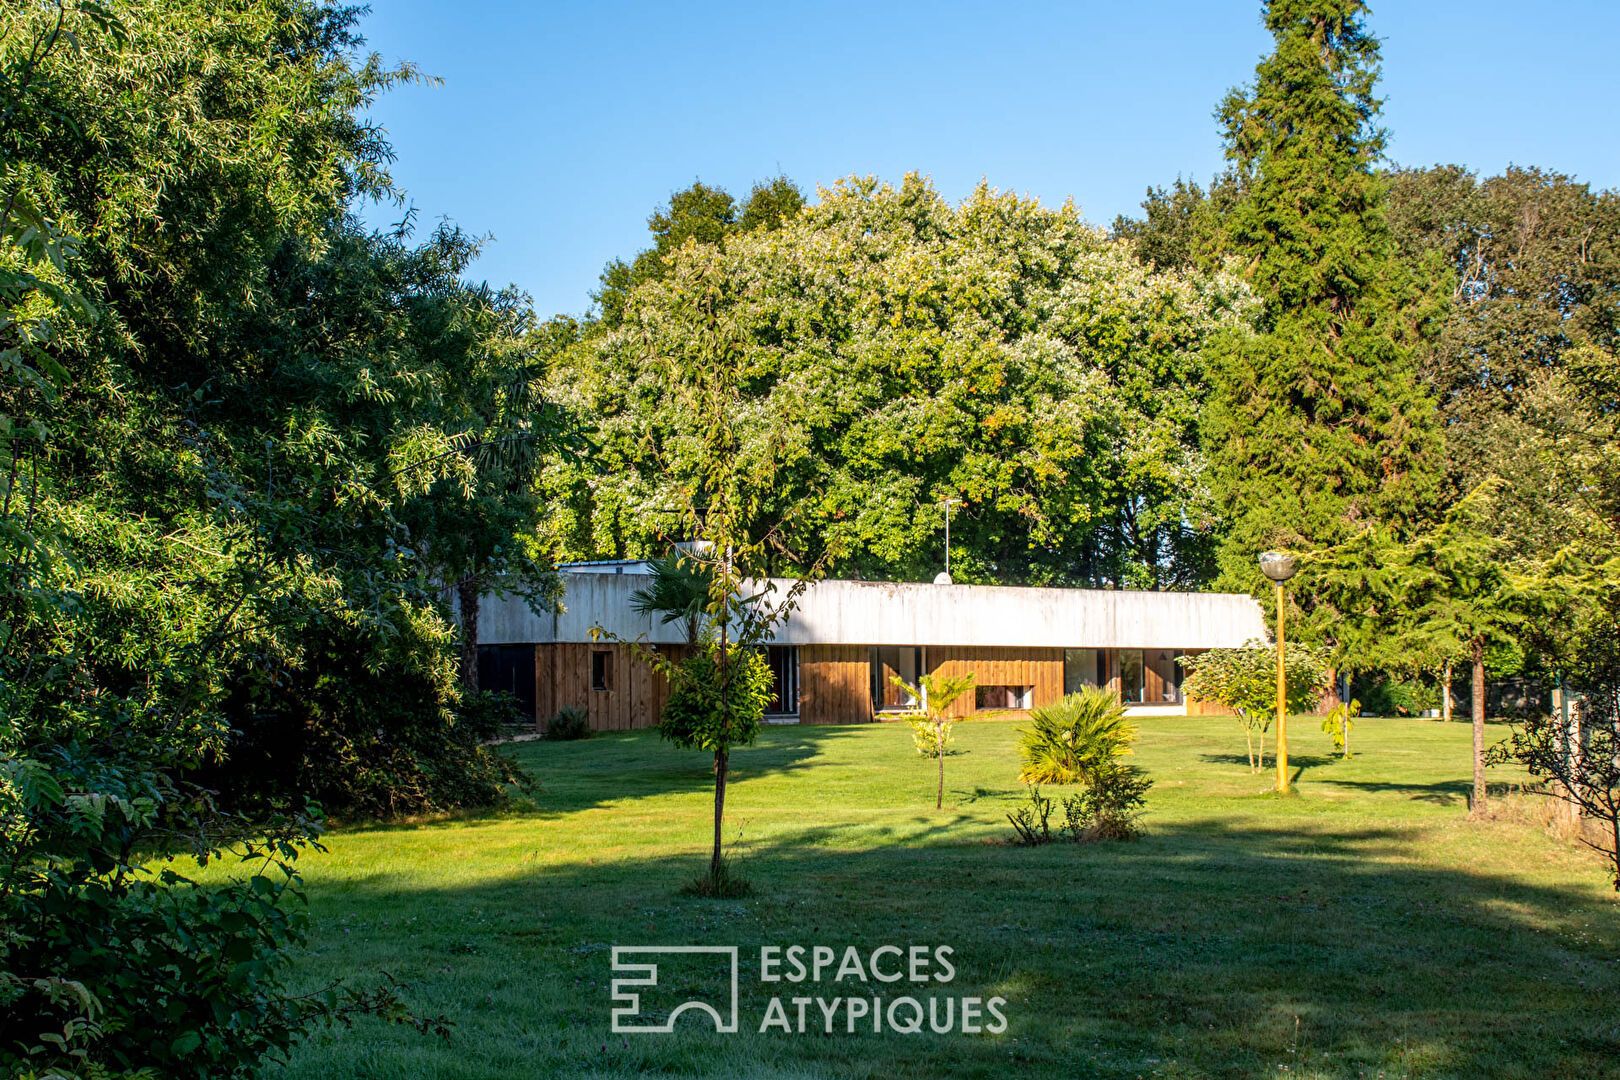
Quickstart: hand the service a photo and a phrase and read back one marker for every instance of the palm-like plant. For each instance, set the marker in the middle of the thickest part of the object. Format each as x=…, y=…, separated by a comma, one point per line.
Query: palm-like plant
x=1075, y=739
x=936, y=694
x=679, y=589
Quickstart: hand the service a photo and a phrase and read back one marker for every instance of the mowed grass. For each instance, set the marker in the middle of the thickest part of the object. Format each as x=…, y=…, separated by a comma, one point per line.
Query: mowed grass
x=1364, y=928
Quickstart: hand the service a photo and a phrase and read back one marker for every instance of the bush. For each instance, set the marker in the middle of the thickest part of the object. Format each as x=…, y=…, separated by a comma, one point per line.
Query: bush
x=571, y=722
x=362, y=742
x=111, y=962
x=1107, y=808
x=1075, y=738
x=1391, y=696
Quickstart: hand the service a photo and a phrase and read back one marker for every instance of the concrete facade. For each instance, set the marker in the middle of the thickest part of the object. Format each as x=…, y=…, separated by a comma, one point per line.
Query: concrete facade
x=834, y=656
x=900, y=613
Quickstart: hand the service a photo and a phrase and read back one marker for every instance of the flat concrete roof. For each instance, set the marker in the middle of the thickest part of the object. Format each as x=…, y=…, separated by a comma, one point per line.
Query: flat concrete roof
x=837, y=612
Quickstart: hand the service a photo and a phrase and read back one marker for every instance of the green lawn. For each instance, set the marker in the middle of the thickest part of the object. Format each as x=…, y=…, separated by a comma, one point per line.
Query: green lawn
x=1363, y=928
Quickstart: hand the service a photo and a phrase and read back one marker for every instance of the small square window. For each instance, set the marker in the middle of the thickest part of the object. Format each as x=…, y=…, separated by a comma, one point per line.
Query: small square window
x=601, y=670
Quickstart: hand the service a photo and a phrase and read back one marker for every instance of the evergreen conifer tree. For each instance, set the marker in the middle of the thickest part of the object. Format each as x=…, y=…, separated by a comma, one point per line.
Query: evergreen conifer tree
x=1319, y=426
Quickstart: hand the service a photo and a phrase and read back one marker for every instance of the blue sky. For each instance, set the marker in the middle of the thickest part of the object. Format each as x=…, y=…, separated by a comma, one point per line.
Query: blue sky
x=559, y=127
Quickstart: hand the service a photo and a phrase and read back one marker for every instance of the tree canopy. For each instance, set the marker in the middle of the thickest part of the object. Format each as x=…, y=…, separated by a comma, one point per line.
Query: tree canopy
x=896, y=350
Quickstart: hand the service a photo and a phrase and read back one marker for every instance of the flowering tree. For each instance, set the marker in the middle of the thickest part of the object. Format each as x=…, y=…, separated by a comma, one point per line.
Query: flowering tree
x=1245, y=681
x=891, y=349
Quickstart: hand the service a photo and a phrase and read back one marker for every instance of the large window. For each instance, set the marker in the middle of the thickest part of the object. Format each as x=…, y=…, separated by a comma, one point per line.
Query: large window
x=1163, y=677
x=508, y=669
x=1131, y=676
x=784, y=661
x=889, y=662
x=1083, y=668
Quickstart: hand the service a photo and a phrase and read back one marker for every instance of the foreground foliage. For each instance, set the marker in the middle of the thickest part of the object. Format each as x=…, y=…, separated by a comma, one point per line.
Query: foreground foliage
x=239, y=435
x=1076, y=739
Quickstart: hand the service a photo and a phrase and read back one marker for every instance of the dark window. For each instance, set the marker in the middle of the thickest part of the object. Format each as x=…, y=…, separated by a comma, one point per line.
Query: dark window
x=888, y=663
x=784, y=661
x=1083, y=668
x=1002, y=697
x=601, y=670
x=508, y=669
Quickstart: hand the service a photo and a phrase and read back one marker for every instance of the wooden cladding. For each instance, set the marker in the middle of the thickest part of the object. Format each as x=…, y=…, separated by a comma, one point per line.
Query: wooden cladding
x=1039, y=669
x=835, y=684
x=564, y=674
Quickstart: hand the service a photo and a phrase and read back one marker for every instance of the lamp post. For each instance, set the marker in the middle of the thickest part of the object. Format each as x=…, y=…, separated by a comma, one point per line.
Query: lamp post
x=947, y=503
x=1279, y=567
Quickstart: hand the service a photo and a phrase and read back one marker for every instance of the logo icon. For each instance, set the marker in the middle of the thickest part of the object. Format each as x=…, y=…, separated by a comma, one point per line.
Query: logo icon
x=645, y=974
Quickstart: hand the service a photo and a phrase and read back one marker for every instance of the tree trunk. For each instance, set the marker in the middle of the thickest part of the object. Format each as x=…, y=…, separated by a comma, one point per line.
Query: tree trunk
x=722, y=765
x=722, y=761
x=467, y=594
x=1479, y=727
x=939, y=742
x=1445, y=695
x=722, y=756
x=1248, y=737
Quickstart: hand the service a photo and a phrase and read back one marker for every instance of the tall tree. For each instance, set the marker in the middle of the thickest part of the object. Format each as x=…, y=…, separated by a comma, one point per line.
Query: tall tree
x=998, y=352
x=1320, y=424
x=704, y=213
x=199, y=526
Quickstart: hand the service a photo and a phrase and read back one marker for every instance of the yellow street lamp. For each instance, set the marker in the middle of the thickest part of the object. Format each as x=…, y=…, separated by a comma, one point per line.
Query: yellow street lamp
x=1279, y=567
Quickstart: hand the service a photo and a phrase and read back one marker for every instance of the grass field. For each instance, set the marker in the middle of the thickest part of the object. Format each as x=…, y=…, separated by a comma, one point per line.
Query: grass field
x=1361, y=929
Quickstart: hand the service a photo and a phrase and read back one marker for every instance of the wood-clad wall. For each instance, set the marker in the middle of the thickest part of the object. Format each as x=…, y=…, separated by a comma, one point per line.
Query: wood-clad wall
x=835, y=684
x=1041, y=669
x=562, y=676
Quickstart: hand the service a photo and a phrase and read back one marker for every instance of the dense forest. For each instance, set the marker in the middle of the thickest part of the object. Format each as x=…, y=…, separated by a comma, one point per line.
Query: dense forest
x=252, y=451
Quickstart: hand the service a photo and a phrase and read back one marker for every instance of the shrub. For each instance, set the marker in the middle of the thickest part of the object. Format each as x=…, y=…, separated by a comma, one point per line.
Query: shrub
x=1074, y=738
x=1030, y=823
x=571, y=722
x=1108, y=807
x=363, y=741
x=1394, y=696
x=113, y=963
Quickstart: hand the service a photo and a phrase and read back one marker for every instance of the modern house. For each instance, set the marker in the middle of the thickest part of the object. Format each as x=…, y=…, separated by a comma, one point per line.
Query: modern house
x=835, y=654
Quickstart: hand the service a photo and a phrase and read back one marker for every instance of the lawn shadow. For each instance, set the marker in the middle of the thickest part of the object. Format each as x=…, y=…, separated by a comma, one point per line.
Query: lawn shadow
x=1223, y=948
x=1441, y=792
x=1303, y=761
x=575, y=775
